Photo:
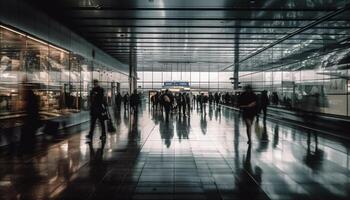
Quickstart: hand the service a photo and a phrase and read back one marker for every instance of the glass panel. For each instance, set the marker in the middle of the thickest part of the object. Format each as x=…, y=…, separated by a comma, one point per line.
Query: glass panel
x=12, y=70
x=86, y=79
x=157, y=77
x=58, y=76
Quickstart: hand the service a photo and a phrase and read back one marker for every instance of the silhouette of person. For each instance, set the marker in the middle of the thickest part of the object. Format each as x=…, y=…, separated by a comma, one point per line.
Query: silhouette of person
x=31, y=121
x=166, y=132
x=249, y=180
x=126, y=101
x=134, y=101
x=314, y=157
x=118, y=101
x=97, y=107
x=167, y=102
x=247, y=103
x=264, y=102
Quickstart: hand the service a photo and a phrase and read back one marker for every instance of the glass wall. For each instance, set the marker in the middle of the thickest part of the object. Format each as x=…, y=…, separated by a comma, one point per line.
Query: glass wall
x=318, y=83
x=60, y=78
x=201, y=81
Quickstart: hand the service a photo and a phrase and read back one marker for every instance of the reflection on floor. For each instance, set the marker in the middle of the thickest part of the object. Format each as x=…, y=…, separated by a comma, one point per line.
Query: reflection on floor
x=201, y=156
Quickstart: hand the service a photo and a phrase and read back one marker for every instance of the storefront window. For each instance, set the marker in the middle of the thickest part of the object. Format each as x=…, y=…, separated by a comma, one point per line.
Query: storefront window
x=60, y=78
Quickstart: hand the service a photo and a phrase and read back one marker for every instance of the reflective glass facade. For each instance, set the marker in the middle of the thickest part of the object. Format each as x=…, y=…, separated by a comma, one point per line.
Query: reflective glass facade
x=62, y=79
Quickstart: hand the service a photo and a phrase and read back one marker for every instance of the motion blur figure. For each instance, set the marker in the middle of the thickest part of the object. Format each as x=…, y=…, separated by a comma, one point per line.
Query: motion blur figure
x=247, y=103
x=188, y=103
x=96, y=109
x=167, y=102
x=118, y=101
x=31, y=121
x=126, y=101
x=134, y=101
x=217, y=98
x=264, y=102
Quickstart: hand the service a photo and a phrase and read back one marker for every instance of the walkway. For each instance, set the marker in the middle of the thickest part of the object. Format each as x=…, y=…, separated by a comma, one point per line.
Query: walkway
x=196, y=157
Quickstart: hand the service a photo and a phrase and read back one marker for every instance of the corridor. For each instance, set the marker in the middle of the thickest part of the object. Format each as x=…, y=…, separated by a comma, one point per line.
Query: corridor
x=201, y=156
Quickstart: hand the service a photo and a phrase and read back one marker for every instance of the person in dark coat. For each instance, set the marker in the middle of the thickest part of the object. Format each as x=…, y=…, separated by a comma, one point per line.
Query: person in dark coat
x=134, y=101
x=188, y=103
x=118, y=101
x=97, y=108
x=126, y=101
x=264, y=102
x=217, y=98
x=211, y=99
x=167, y=102
x=247, y=103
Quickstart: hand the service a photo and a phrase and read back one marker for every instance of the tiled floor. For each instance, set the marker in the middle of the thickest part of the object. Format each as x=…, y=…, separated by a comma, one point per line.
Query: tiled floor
x=204, y=156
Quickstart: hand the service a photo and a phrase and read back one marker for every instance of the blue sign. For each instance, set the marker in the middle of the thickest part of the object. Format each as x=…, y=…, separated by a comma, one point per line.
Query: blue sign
x=176, y=83
x=168, y=84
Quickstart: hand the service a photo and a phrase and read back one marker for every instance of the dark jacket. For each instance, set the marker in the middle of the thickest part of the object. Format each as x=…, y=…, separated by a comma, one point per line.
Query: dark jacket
x=118, y=98
x=134, y=99
x=97, y=100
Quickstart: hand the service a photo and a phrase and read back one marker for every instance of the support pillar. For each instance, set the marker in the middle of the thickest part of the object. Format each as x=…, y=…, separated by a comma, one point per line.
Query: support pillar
x=132, y=71
x=236, y=61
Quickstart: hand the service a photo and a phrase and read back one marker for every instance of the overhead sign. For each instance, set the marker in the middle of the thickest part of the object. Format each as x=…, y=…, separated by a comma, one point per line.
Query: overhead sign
x=176, y=84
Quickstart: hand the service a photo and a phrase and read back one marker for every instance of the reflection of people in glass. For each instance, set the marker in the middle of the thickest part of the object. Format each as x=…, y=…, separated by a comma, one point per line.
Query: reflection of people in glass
x=166, y=132
x=275, y=136
x=249, y=180
x=218, y=114
x=96, y=109
x=313, y=157
x=210, y=113
x=247, y=102
x=182, y=128
x=97, y=166
x=264, y=140
x=203, y=123
x=236, y=142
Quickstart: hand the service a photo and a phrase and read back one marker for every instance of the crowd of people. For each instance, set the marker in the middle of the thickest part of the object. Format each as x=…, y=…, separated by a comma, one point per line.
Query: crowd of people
x=250, y=104
x=181, y=103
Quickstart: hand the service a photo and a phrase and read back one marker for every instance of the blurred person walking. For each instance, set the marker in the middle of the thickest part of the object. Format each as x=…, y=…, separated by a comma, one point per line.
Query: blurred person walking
x=167, y=101
x=188, y=103
x=247, y=103
x=126, y=101
x=31, y=121
x=118, y=101
x=264, y=102
x=134, y=101
x=98, y=110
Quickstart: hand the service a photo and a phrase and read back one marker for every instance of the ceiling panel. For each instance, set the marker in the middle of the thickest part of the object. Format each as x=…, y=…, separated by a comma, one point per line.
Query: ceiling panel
x=202, y=33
